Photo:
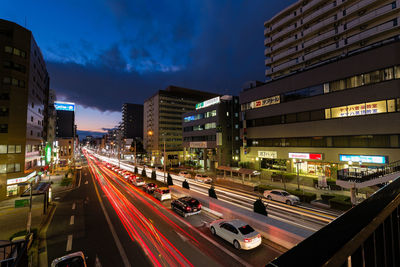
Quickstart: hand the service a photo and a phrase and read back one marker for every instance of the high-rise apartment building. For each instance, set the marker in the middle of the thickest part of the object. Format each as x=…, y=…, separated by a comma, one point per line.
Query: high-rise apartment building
x=313, y=32
x=132, y=121
x=334, y=98
x=162, y=119
x=24, y=89
x=65, y=132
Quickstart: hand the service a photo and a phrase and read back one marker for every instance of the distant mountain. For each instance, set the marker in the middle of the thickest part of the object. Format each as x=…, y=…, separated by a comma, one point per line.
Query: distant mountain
x=83, y=134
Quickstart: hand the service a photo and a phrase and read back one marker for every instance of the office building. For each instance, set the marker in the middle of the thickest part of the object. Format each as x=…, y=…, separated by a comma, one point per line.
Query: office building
x=65, y=132
x=163, y=121
x=132, y=121
x=211, y=133
x=24, y=89
x=339, y=107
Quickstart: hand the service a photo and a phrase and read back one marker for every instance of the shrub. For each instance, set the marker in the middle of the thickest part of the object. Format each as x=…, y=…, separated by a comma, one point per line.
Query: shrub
x=262, y=187
x=340, y=203
x=332, y=184
x=326, y=197
x=66, y=181
x=144, y=173
x=288, y=177
x=304, y=196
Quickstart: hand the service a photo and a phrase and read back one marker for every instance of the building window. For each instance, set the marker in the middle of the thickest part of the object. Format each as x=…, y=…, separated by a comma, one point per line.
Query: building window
x=11, y=149
x=3, y=128
x=236, y=126
x=18, y=149
x=344, y=12
x=237, y=138
x=393, y=5
x=3, y=168
x=8, y=49
x=12, y=190
x=3, y=149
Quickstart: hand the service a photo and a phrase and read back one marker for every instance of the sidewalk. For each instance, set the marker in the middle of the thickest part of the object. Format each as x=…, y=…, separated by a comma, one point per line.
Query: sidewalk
x=13, y=219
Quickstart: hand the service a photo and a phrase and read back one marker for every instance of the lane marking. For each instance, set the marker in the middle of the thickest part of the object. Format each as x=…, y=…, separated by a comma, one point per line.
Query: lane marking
x=184, y=238
x=69, y=243
x=86, y=182
x=73, y=206
x=80, y=178
x=72, y=220
x=113, y=232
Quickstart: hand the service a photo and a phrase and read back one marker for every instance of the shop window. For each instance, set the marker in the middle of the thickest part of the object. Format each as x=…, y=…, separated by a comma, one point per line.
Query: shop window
x=372, y=77
x=397, y=72
x=12, y=190
x=391, y=105
x=388, y=74
x=337, y=85
x=358, y=141
x=354, y=81
x=10, y=168
x=3, y=149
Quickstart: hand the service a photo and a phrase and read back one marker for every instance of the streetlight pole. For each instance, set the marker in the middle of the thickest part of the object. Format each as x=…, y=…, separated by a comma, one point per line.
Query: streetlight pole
x=135, y=155
x=298, y=178
x=28, y=225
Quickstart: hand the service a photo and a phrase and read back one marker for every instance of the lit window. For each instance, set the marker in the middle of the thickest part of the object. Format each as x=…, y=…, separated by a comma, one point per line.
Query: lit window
x=11, y=149
x=8, y=49
x=3, y=149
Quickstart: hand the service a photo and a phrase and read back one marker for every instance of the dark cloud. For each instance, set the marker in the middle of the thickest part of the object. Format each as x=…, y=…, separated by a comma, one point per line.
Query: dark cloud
x=83, y=134
x=207, y=45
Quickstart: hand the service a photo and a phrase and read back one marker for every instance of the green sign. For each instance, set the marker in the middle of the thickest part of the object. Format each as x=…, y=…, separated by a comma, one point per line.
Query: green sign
x=21, y=203
x=48, y=153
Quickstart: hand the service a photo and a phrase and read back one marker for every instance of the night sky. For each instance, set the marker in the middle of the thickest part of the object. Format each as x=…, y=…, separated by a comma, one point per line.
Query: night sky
x=101, y=54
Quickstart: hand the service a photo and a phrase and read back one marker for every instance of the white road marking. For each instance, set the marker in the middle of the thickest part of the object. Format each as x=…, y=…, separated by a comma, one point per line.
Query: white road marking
x=72, y=220
x=69, y=243
x=184, y=238
x=73, y=206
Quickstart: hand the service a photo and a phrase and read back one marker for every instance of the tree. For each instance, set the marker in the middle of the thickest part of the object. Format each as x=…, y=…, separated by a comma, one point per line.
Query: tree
x=153, y=175
x=169, y=180
x=136, y=170
x=211, y=192
x=185, y=184
x=144, y=173
x=259, y=207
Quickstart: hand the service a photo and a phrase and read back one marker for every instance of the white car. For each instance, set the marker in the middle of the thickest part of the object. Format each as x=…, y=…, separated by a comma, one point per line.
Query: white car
x=74, y=259
x=203, y=178
x=162, y=193
x=185, y=174
x=236, y=232
x=281, y=196
x=138, y=181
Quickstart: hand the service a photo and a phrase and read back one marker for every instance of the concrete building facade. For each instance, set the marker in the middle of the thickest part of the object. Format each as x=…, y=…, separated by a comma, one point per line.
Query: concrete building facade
x=211, y=133
x=24, y=89
x=340, y=109
x=162, y=120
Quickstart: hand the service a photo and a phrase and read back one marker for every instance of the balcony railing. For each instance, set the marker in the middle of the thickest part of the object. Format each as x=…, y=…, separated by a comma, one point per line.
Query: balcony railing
x=319, y=38
x=318, y=13
x=366, y=235
x=358, y=175
x=319, y=25
x=359, y=6
x=283, y=32
x=371, y=32
x=369, y=16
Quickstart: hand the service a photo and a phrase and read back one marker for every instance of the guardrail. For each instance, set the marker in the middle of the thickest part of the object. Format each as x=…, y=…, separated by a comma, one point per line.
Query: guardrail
x=14, y=253
x=367, y=235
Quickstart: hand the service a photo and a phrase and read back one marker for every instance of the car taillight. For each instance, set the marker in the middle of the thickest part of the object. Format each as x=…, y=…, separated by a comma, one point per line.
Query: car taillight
x=199, y=206
x=247, y=240
x=258, y=236
x=188, y=208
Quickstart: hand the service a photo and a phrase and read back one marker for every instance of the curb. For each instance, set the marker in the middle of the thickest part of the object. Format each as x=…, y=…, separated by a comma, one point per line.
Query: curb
x=41, y=242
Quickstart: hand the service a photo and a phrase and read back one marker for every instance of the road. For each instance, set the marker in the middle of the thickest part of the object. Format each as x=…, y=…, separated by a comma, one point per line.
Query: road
x=309, y=219
x=146, y=232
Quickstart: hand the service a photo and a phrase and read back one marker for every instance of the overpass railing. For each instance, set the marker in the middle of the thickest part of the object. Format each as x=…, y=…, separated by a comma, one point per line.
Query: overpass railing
x=359, y=175
x=366, y=235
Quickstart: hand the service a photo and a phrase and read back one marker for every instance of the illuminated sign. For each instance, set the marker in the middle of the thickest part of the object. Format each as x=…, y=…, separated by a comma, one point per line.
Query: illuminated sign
x=363, y=158
x=48, y=153
x=359, y=109
x=305, y=156
x=198, y=144
x=266, y=102
x=21, y=179
x=267, y=154
x=67, y=106
x=208, y=102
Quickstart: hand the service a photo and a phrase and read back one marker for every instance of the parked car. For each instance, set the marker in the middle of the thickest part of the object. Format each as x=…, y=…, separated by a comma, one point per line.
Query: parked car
x=137, y=181
x=186, y=206
x=203, y=178
x=281, y=196
x=162, y=193
x=185, y=174
x=236, y=232
x=149, y=187
x=76, y=259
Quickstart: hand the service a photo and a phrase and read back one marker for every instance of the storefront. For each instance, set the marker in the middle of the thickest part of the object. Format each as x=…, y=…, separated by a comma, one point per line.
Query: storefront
x=12, y=184
x=270, y=161
x=311, y=164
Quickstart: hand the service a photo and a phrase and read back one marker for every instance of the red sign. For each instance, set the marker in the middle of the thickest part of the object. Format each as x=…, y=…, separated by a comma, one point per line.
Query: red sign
x=316, y=156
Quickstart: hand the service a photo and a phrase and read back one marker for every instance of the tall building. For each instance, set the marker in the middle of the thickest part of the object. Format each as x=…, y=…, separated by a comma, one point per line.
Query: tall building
x=309, y=33
x=211, y=133
x=163, y=121
x=338, y=108
x=132, y=121
x=65, y=132
x=24, y=89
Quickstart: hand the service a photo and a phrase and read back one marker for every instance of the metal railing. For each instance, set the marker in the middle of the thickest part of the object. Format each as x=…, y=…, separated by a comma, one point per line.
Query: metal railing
x=14, y=254
x=359, y=175
x=366, y=235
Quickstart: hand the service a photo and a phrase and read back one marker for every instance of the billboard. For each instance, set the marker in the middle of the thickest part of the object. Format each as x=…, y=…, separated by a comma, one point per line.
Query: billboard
x=363, y=158
x=67, y=106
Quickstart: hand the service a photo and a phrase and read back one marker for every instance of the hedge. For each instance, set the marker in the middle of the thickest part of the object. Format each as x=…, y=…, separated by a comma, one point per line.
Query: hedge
x=262, y=187
x=340, y=203
x=304, y=196
x=326, y=197
x=330, y=182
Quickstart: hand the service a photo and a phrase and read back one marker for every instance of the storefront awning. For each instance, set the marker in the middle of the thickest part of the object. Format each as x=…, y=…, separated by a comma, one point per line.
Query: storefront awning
x=38, y=189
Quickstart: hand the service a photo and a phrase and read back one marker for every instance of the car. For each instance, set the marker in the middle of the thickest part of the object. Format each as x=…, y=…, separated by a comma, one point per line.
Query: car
x=203, y=178
x=185, y=174
x=186, y=206
x=77, y=259
x=236, y=232
x=281, y=196
x=149, y=187
x=162, y=193
x=137, y=181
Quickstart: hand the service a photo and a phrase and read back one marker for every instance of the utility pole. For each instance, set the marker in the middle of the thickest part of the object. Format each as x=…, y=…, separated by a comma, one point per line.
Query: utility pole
x=165, y=161
x=135, y=155
x=28, y=225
